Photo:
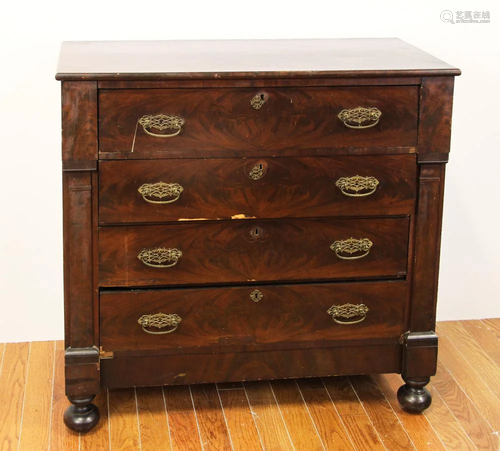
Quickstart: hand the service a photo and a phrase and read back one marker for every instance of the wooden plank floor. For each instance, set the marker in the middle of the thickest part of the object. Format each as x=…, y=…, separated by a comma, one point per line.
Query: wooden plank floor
x=343, y=413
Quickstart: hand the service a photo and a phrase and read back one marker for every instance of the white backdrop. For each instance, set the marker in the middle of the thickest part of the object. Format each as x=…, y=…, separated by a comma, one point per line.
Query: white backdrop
x=31, y=302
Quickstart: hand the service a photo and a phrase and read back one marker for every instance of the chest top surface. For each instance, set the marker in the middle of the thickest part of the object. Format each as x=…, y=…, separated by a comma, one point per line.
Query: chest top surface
x=362, y=57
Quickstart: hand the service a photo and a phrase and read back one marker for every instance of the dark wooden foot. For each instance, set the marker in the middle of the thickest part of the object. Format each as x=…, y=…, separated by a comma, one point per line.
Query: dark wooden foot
x=82, y=415
x=413, y=397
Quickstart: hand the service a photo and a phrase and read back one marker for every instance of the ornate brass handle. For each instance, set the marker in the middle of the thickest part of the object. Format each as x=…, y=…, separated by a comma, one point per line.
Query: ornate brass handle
x=160, y=321
x=162, y=122
x=354, y=186
x=348, y=311
x=161, y=190
x=160, y=257
x=355, y=117
x=351, y=246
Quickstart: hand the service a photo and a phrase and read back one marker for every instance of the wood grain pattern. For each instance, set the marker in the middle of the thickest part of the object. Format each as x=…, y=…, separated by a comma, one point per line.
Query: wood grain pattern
x=239, y=419
x=123, y=424
x=353, y=415
x=184, y=431
x=289, y=315
x=484, y=337
x=418, y=428
x=493, y=325
x=273, y=432
x=259, y=82
x=290, y=118
x=326, y=419
x=296, y=415
x=12, y=390
x=427, y=247
x=78, y=260
x=210, y=417
x=79, y=125
x=38, y=397
x=164, y=369
x=445, y=424
x=236, y=233
x=485, y=367
x=381, y=413
x=463, y=409
x=465, y=375
x=454, y=421
x=220, y=188
x=434, y=127
x=2, y=354
x=62, y=438
x=275, y=58
x=223, y=252
x=153, y=424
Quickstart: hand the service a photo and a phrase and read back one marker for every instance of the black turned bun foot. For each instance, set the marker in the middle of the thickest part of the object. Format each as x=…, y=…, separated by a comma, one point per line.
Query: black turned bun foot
x=82, y=415
x=413, y=397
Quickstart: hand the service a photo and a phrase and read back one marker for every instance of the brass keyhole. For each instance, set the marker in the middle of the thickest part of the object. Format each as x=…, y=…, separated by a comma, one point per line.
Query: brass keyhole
x=258, y=100
x=256, y=295
x=258, y=170
x=256, y=232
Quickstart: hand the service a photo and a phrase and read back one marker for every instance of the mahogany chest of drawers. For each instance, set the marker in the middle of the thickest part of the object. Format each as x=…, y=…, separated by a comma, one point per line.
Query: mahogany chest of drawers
x=242, y=210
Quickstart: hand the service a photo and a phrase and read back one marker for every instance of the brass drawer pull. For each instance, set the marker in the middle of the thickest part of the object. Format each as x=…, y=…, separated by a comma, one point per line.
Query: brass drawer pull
x=356, y=117
x=348, y=311
x=160, y=190
x=351, y=246
x=160, y=257
x=161, y=122
x=354, y=186
x=160, y=321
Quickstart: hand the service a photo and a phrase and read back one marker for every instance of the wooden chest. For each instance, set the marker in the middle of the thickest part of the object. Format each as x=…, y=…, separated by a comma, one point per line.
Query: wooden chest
x=242, y=210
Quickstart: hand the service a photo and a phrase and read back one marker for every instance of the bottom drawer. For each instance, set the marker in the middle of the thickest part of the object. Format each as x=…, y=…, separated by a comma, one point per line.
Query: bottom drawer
x=250, y=318
x=122, y=372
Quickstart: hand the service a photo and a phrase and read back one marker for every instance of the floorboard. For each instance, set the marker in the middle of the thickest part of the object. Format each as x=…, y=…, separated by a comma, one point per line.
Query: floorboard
x=182, y=421
x=38, y=397
x=330, y=428
x=334, y=413
x=239, y=419
x=381, y=414
x=12, y=390
x=353, y=414
x=272, y=429
x=211, y=421
x=418, y=428
x=297, y=418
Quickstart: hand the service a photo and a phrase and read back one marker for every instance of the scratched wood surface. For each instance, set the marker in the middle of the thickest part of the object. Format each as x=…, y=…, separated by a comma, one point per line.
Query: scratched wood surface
x=355, y=413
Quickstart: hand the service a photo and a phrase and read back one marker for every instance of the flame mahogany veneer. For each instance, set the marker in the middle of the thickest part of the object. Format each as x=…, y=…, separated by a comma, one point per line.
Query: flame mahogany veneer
x=244, y=210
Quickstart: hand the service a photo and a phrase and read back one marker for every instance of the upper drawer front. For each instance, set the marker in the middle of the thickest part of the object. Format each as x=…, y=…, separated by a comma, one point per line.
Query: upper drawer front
x=193, y=122
x=242, y=251
x=206, y=319
x=221, y=188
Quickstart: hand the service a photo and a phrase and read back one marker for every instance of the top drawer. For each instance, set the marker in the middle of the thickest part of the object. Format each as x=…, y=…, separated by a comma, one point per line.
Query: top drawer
x=165, y=123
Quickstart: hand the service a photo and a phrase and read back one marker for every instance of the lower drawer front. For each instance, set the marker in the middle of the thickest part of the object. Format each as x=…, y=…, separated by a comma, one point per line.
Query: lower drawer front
x=251, y=318
x=248, y=251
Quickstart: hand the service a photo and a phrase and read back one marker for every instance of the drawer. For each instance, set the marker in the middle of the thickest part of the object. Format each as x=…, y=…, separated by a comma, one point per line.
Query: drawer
x=242, y=251
x=251, y=317
x=221, y=188
x=194, y=122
